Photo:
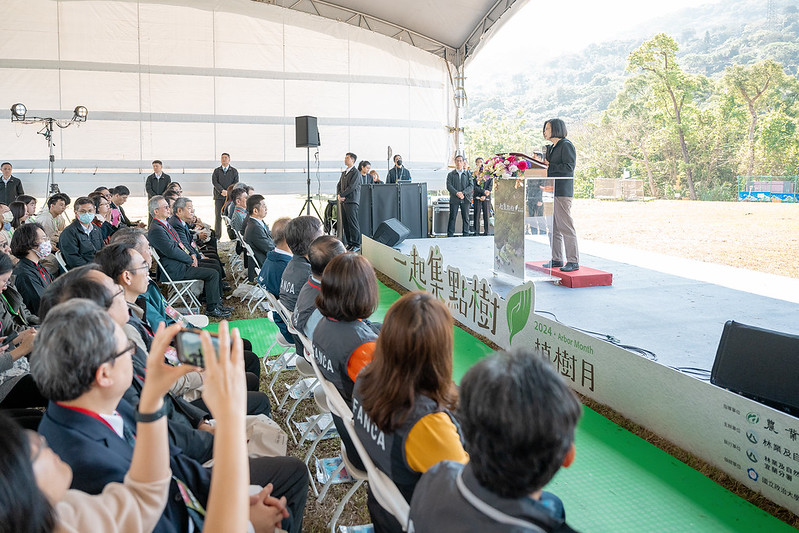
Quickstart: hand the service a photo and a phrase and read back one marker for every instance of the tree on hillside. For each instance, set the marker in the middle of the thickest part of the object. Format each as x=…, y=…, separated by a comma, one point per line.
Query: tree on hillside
x=657, y=58
x=753, y=84
x=507, y=133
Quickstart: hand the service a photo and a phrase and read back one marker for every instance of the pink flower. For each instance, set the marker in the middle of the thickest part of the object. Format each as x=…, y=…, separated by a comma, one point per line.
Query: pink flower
x=522, y=165
x=511, y=158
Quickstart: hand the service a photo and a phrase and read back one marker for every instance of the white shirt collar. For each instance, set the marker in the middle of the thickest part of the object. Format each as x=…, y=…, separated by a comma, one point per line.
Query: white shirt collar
x=284, y=252
x=85, y=229
x=158, y=176
x=116, y=422
x=348, y=169
x=6, y=180
x=224, y=169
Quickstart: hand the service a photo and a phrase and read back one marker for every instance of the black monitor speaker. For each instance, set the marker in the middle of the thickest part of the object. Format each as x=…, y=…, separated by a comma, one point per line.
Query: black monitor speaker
x=307, y=131
x=760, y=364
x=391, y=232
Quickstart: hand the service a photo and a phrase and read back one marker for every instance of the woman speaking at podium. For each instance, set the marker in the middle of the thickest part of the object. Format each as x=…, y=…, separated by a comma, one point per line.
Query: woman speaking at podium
x=561, y=158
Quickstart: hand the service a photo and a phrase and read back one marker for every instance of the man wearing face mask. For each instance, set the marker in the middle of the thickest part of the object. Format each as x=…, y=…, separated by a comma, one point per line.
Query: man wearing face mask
x=80, y=240
x=398, y=172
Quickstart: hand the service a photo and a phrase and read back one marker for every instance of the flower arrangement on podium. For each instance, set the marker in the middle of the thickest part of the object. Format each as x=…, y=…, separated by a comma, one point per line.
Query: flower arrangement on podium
x=506, y=166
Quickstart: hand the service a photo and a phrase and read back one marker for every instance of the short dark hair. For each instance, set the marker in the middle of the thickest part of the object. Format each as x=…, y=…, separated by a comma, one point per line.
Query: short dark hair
x=225, y=153
x=349, y=288
x=170, y=196
x=121, y=190
x=322, y=251
x=114, y=259
x=102, y=188
x=253, y=202
x=279, y=229
x=24, y=239
x=54, y=200
x=4, y=163
x=458, y=156
x=75, y=339
x=237, y=193
x=557, y=128
x=66, y=198
x=83, y=200
x=25, y=199
x=23, y=506
x=95, y=198
x=67, y=286
x=363, y=164
x=300, y=232
x=173, y=185
x=6, y=264
x=518, y=419
x=157, y=161
x=395, y=157
x=352, y=156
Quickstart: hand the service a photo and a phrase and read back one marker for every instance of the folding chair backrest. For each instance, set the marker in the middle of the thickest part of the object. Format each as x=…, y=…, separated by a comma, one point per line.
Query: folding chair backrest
x=59, y=257
x=161, y=268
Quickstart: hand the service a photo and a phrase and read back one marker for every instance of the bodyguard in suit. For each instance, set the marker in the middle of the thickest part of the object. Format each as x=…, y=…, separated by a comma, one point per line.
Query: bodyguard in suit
x=482, y=202
x=348, y=191
x=10, y=187
x=459, y=185
x=223, y=177
x=179, y=262
x=80, y=240
x=257, y=233
x=157, y=182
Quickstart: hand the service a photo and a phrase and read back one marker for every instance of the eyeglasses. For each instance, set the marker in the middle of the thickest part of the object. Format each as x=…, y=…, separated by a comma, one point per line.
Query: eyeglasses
x=85, y=211
x=130, y=348
x=143, y=267
x=36, y=438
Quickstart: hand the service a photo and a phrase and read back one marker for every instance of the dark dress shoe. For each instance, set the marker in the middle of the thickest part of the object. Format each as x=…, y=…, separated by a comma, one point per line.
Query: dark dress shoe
x=217, y=313
x=570, y=267
x=224, y=308
x=553, y=264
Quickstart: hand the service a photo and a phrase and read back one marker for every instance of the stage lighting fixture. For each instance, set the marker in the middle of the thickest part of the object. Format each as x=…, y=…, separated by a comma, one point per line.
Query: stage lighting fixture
x=18, y=112
x=80, y=114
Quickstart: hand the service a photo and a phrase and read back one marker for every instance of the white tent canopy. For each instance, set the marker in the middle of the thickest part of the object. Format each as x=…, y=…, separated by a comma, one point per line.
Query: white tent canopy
x=184, y=80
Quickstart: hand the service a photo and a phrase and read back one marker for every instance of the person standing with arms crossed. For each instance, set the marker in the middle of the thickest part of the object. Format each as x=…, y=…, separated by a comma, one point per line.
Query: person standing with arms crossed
x=561, y=158
x=223, y=177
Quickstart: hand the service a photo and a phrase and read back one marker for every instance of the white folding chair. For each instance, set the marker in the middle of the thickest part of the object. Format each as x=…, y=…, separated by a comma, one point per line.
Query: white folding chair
x=60, y=258
x=178, y=290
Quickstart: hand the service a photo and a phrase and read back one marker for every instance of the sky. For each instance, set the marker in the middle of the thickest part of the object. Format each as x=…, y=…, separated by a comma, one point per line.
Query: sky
x=545, y=30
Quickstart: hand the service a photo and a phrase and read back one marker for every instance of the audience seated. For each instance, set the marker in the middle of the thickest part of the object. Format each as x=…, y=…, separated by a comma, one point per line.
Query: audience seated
x=183, y=214
x=321, y=252
x=300, y=233
x=30, y=206
x=34, y=482
x=344, y=339
x=52, y=219
x=80, y=240
x=103, y=214
x=118, y=196
x=30, y=245
x=19, y=214
x=17, y=389
x=238, y=197
x=90, y=426
x=402, y=400
x=257, y=233
x=179, y=262
x=518, y=418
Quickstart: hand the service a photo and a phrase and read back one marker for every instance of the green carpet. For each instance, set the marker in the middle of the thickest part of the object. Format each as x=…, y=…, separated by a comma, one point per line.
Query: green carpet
x=619, y=482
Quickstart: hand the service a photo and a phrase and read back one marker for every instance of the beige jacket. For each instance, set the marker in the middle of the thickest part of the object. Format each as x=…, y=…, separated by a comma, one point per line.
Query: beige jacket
x=128, y=507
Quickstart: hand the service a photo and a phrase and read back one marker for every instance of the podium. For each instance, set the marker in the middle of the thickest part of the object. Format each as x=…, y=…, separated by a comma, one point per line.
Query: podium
x=405, y=201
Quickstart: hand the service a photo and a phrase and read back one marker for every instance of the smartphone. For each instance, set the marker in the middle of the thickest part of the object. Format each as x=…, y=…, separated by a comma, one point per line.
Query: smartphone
x=189, y=347
x=8, y=340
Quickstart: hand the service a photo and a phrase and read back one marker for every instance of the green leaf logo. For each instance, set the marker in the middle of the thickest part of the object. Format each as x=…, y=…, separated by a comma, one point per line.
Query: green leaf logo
x=518, y=310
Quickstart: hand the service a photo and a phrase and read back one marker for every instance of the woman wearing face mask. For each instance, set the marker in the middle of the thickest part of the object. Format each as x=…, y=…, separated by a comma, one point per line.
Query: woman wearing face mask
x=30, y=245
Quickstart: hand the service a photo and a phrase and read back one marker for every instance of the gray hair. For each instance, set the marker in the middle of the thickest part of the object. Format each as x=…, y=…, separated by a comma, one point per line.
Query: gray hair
x=74, y=340
x=180, y=203
x=240, y=185
x=152, y=204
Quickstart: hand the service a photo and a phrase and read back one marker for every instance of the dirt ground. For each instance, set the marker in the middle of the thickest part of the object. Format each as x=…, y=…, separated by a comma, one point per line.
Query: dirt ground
x=763, y=237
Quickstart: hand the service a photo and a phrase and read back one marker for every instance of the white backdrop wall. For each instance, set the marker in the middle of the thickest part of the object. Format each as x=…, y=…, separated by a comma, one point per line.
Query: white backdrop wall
x=185, y=80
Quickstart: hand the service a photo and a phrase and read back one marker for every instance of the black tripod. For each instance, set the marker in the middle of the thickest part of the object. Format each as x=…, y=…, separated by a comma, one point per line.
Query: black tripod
x=308, y=202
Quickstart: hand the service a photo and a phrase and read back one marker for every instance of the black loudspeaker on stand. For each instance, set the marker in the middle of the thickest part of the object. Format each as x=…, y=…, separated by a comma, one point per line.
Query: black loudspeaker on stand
x=391, y=232
x=307, y=136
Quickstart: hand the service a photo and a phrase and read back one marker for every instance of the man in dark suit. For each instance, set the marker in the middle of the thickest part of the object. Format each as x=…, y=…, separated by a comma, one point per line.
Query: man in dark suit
x=348, y=191
x=459, y=185
x=10, y=187
x=183, y=214
x=81, y=239
x=223, y=177
x=157, y=182
x=257, y=233
x=179, y=262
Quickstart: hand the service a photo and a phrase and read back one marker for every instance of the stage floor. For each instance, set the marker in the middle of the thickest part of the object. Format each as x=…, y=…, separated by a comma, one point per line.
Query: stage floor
x=673, y=307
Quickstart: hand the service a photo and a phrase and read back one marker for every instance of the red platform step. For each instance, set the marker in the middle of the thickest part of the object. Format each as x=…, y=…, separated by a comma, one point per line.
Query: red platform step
x=585, y=277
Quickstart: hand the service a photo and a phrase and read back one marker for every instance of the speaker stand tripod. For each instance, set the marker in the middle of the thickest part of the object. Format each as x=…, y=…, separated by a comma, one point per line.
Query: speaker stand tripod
x=308, y=202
